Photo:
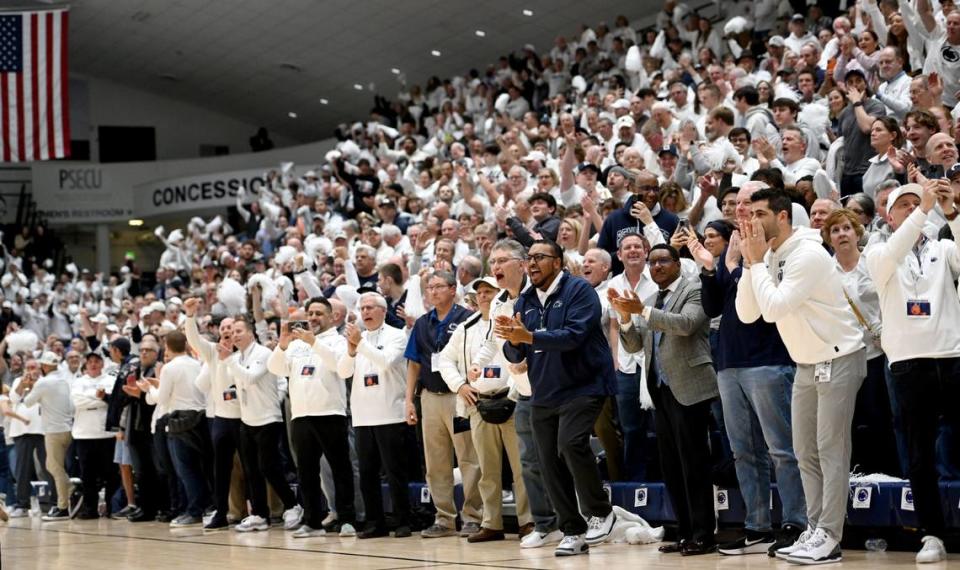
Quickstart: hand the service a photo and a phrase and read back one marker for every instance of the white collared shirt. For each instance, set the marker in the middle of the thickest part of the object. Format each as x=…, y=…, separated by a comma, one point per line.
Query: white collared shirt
x=627, y=362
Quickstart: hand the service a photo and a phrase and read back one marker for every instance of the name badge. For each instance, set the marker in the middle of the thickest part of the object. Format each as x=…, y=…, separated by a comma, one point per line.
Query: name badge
x=821, y=372
x=371, y=380
x=230, y=394
x=435, y=362
x=491, y=372
x=918, y=308
x=308, y=370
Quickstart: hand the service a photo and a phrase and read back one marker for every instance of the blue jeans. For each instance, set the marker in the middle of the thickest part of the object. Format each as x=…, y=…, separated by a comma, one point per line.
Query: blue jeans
x=756, y=406
x=188, y=458
x=544, y=518
x=635, y=422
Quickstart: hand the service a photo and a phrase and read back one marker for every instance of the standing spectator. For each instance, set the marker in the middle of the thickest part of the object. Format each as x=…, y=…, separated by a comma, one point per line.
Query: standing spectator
x=556, y=329
x=94, y=443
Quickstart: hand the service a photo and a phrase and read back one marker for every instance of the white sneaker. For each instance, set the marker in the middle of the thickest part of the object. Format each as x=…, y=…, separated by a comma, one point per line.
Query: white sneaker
x=347, y=530
x=538, y=539
x=209, y=517
x=598, y=529
x=786, y=551
x=820, y=549
x=19, y=513
x=306, y=532
x=252, y=523
x=292, y=517
x=572, y=545
x=932, y=551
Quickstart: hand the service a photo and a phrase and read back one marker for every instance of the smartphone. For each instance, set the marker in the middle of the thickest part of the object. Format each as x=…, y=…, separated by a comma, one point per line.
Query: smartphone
x=298, y=325
x=684, y=226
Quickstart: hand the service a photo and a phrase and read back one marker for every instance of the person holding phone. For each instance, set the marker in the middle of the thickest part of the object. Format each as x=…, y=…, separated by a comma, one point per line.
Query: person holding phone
x=307, y=353
x=914, y=273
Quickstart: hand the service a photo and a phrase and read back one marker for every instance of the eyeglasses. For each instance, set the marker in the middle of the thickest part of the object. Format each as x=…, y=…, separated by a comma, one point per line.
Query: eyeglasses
x=538, y=257
x=664, y=262
x=502, y=260
x=437, y=287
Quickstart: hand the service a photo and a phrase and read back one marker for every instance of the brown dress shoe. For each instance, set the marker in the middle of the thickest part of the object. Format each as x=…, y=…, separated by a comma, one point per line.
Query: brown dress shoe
x=525, y=530
x=485, y=535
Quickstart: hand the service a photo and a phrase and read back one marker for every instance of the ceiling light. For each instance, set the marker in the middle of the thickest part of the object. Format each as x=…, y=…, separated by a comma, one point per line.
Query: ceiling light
x=135, y=223
x=480, y=33
x=324, y=101
x=358, y=87
x=395, y=71
x=435, y=53
x=528, y=12
x=292, y=115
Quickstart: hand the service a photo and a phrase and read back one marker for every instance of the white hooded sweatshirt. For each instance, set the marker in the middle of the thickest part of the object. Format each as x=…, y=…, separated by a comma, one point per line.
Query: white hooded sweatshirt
x=798, y=287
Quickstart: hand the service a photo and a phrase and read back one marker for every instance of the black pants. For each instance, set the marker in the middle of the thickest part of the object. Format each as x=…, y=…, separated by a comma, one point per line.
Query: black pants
x=225, y=433
x=313, y=438
x=145, y=471
x=97, y=471
x=928, y=389
x=382, y=447
x=260, y=456
x=682, y=433
x=175, y=500
x=567, y=461
x=25, y=446
x=874, y=442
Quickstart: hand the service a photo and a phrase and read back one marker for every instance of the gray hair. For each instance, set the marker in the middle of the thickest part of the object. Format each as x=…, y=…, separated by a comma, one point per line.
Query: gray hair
x=471, y=265
x=448, y=278
x=390, y=231
x=603, y=254
x=516, y=250
x=366, y=249
x=377, y=297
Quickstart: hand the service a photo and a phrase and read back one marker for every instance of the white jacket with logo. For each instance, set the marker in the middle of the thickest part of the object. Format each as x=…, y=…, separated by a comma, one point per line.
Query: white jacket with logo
x=798, y=287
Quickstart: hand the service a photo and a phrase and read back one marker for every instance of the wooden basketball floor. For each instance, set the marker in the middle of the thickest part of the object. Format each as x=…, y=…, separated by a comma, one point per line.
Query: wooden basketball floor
x=107, y=544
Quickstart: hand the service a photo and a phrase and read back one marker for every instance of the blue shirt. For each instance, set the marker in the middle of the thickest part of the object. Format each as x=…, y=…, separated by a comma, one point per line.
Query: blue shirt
x=428, y=338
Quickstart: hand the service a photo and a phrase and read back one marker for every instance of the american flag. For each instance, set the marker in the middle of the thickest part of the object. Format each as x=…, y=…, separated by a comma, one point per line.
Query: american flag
x=34, y=104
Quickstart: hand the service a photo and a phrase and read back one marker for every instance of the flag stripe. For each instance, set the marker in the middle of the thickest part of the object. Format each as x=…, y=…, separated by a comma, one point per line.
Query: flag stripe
x=51, y=150
x=26, y=94
x=63, y=120
x=5, y=115
x=35, y=95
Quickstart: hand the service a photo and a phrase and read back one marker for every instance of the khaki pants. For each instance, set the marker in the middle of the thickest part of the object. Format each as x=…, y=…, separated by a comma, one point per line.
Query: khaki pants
x=56, y=445
x=238, y=493
x=490, y=440
x=439, y=444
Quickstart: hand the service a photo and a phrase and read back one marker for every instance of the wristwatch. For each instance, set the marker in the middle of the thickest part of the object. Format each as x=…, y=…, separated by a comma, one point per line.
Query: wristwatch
x=858, y=104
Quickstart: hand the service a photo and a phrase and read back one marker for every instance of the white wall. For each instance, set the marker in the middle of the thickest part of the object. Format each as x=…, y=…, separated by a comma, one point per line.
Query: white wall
x=180, y=127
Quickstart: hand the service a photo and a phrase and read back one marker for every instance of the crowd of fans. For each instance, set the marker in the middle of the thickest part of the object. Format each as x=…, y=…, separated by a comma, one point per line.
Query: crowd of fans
x=720, y=246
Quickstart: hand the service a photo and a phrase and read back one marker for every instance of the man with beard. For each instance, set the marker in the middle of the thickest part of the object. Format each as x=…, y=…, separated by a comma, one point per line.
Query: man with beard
x=647, y=192
x=556, y=329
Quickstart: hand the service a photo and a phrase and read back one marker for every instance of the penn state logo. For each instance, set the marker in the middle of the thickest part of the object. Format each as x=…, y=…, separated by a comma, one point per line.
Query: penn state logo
x=862, y=495
x=949, y=54
x=641, y=494
x=558, y=304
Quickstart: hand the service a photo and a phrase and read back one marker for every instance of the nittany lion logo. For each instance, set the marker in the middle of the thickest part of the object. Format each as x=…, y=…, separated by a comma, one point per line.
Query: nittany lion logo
x=949, y=54
x=862, y=495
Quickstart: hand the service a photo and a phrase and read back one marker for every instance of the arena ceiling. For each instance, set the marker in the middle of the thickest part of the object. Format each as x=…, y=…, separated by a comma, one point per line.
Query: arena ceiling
x=262, y=61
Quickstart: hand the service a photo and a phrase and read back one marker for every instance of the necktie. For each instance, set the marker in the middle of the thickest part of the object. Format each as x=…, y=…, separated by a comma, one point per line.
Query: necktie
x=655, y=370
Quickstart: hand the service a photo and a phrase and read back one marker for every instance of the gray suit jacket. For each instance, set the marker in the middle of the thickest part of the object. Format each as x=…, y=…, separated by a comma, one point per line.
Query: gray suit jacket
x=684, y=345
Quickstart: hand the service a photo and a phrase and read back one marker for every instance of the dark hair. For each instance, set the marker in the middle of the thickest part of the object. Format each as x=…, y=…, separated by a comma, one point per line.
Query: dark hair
x=923, y=118
x=788, y=103
x=893, y=127
x=778, y=200
x=749, y=94
x=722, y=227
x=557, y=250
x=772, y=176
x=674, y=254
x=739, y=131
x=544, y=197
x=393, y=271
x=247, y=323
x=176, y=342
x=322, y=300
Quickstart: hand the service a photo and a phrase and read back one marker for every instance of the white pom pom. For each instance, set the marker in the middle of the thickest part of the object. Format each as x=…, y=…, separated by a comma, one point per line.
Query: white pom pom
x=719, y=153
x=233, y=297
x=634, y=60
x=284, y=255
x=268, y=290
x=159, y=232
x=348, y=295
x=640, y=535
x=501, y=103
x=21, y=341
x=736, y=25
x=579, y=83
